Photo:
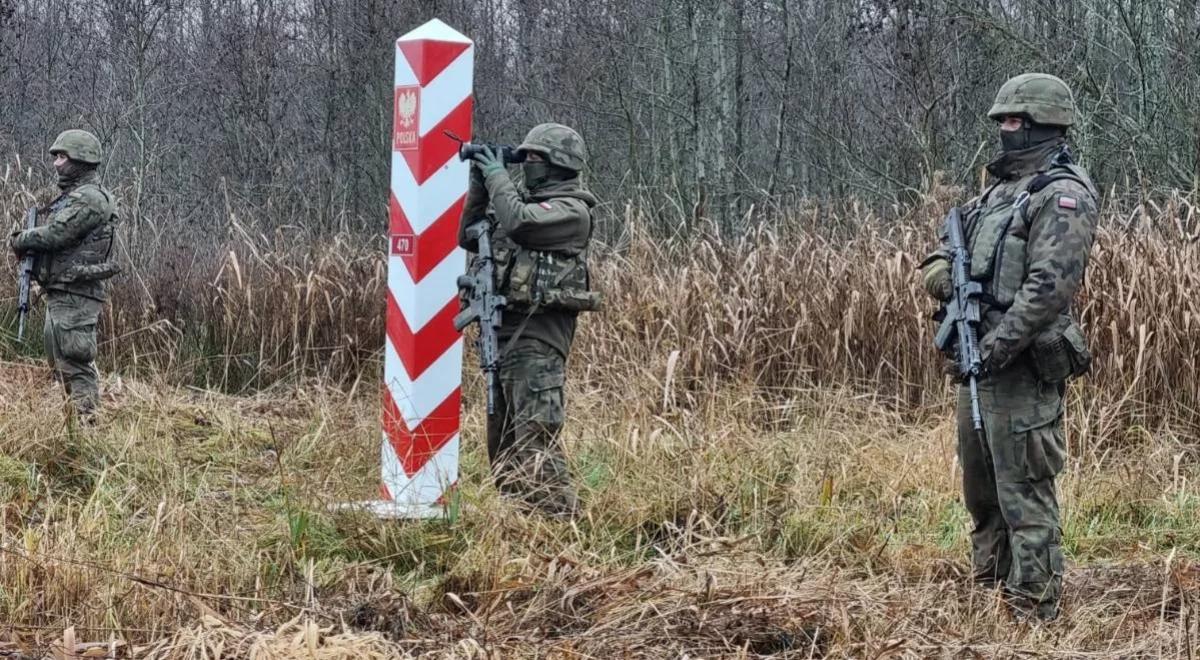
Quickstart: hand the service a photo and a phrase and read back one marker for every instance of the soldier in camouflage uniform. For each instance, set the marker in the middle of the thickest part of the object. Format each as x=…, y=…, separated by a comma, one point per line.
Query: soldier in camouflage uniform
x=72, y=250
x=539, y=238
x=1029, y=236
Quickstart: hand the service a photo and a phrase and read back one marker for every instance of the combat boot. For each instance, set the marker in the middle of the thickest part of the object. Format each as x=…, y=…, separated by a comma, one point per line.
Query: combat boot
x=1031, y=612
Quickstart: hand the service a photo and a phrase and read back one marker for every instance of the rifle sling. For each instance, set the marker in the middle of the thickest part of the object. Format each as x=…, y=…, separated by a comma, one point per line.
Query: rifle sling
x=520, y=330
x=990, y=301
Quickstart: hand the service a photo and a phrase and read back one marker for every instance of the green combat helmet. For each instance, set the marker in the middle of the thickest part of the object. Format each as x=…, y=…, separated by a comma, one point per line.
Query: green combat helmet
x=78, y=145
x=558, y=144
x=1044, y=98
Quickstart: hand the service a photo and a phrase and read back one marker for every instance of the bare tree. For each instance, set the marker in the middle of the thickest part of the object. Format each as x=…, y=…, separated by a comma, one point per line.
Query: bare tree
x=701, y=109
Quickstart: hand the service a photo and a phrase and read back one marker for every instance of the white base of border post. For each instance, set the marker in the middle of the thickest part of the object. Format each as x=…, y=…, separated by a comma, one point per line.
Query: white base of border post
x=392, y=510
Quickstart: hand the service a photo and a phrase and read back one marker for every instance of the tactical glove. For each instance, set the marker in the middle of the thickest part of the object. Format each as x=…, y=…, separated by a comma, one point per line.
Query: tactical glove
x=477, y=192
x=488, y=162
x=936, y=279
x=996, y=355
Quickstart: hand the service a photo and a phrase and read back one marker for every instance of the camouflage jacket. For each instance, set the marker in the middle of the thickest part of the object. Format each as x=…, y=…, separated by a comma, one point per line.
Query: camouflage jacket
x=556, y=218
x=73, y=247
x=1029, y=242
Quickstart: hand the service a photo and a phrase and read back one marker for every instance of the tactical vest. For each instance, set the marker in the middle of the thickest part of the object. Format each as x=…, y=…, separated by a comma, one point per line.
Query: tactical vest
x=542, y=279
x=86, y=261
x=1000, y=232
x=999, y=237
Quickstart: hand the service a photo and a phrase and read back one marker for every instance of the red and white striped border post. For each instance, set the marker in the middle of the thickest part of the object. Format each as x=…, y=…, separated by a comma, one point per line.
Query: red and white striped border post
x=423, y=353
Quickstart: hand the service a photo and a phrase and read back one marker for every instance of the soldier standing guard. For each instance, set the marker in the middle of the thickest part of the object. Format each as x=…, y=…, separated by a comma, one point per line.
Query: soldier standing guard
x=1029, y=236
x=72, y=258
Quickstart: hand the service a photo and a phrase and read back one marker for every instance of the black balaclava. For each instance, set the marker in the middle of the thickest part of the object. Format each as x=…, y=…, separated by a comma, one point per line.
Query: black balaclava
x=538, y=174
x=1030, y=134
x=72, y=173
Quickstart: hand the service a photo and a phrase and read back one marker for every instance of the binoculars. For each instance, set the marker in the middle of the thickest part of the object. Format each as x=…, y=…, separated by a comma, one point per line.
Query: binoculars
x=467, y=150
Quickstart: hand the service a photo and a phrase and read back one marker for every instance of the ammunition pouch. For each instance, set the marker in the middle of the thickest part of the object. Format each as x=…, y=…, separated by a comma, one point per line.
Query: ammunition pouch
x=545, y=280
x=1060, y=352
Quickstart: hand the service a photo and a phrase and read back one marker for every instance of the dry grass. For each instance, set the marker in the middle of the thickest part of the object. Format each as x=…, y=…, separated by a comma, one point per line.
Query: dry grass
x=810, y=300
x=817, y=303
x=191, y=524
x=758, y=427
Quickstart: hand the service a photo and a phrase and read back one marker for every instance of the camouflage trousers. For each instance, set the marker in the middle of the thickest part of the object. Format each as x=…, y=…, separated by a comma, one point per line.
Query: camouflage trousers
x=1008, y=484
x=70, y=336
x=523, y=445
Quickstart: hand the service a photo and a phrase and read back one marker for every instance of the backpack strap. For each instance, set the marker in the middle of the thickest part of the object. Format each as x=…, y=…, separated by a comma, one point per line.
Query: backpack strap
x=1057, y=172
x=1060, y=173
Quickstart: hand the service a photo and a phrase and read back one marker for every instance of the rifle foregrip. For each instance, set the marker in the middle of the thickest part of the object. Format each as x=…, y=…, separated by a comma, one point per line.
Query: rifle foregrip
x=464, y=318
x=941, y=340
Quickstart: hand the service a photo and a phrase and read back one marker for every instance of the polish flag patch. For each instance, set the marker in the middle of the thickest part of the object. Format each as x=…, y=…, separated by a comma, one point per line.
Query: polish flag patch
x=1065, y=202
x=546, y=205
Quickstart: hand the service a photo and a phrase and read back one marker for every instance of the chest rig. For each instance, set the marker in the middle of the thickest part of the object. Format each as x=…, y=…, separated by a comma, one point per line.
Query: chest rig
x=544, y=279
x=88, y=260
x=998, y=226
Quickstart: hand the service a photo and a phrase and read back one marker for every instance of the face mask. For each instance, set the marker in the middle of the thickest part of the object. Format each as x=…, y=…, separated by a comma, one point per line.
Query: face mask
x=536, y=174
x=70, y=172
x=1013, y=140
x=1029, y=135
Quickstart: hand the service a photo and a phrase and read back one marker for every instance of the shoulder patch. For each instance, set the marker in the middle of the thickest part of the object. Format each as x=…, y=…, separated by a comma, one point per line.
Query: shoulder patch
x=93, y=196
x=1065, y=202
x=545, y=205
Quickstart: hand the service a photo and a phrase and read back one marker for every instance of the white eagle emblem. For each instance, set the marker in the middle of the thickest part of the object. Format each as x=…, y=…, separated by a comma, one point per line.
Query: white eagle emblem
x=406, y=107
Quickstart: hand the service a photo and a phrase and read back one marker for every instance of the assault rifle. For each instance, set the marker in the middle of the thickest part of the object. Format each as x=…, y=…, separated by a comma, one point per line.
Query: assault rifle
x=960, y=315
x=24, y=274
x=484, y=306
